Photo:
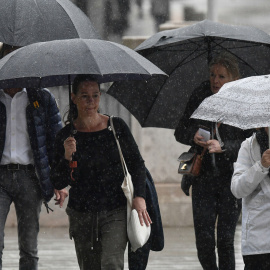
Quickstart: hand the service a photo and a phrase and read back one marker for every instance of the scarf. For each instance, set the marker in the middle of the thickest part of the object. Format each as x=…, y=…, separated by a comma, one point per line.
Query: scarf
x=262, y=139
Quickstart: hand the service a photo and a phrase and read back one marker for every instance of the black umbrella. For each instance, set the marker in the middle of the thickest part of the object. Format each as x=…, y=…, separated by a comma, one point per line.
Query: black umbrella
x=57, y=62
x=24, y=22
x=184, y=55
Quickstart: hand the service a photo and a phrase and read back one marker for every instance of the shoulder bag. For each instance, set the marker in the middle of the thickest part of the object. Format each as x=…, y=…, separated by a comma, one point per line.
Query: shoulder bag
x=191, y=163
x=137, y=234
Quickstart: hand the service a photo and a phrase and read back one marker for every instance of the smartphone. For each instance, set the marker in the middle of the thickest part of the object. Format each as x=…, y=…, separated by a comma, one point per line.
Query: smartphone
x=205, y=134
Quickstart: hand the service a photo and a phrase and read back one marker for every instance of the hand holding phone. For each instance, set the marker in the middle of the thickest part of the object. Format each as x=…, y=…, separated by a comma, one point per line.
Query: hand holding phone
x=205, y=134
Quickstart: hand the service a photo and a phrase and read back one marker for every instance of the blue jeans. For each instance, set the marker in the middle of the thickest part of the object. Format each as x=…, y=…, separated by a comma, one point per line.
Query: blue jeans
x=22, y=188
x=214, y=204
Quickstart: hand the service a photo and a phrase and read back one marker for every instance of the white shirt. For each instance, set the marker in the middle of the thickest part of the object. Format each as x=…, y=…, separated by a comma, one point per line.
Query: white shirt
x=17, y=144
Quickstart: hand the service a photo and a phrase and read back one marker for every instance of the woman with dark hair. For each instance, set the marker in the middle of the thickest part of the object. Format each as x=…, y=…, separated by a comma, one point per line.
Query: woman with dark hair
x=97, y=205
x=212, y=201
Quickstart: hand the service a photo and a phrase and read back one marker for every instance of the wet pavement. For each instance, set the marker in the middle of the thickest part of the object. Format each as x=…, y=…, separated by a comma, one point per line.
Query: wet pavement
x=56, y=250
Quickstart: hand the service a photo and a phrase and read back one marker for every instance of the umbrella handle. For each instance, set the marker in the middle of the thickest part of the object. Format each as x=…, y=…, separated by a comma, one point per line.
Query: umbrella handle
x=72, y=165
x=213, y=157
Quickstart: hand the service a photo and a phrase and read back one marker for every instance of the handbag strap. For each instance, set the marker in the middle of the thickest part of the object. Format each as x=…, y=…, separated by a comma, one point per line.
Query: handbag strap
x=124, y=166
x=203, y=151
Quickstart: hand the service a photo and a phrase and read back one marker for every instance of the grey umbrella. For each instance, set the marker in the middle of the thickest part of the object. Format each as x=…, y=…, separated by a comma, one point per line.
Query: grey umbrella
x=23, y=22
x=184, y=55
x=57, y=62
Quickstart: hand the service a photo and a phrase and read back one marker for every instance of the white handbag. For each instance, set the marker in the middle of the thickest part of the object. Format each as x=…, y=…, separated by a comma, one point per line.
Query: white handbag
x=137, y=234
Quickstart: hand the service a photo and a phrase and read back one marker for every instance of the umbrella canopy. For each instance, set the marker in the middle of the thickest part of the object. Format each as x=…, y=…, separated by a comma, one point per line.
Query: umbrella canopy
x=184, y=54
x=243, y=103
x=57, y=62
x=24, y=22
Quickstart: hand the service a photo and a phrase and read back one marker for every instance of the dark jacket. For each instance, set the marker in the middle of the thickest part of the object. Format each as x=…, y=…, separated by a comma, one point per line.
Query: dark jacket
x=232, y=137
x=138, y=260
x=187, y=127
x=43, y=122
x=99, y=173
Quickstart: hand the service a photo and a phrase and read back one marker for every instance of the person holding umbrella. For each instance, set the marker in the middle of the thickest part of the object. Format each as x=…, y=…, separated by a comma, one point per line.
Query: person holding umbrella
x=97, y=204
x=250, y=182
x=29, y=122
x=160, y=12
x=212, y=199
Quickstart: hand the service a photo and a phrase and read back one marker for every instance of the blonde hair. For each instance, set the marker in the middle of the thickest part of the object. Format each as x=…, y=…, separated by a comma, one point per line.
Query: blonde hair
x=228, y=61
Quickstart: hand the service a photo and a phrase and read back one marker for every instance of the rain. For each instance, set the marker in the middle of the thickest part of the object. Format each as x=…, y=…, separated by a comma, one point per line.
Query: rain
x=173, y=43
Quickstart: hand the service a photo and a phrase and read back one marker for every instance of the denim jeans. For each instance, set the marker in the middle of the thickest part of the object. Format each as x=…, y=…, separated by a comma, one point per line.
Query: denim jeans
x=100, y=239
x=22, y=188
x=215, y=206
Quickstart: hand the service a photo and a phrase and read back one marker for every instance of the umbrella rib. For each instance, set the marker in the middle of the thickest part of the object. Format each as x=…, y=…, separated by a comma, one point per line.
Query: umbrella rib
x=14, y=22
x=99, y=70
x=187, y=42
x=240, y=59
x=41, y=15
x=216, y=45
x=184, y=63
x=165, y=81
x=170, y=48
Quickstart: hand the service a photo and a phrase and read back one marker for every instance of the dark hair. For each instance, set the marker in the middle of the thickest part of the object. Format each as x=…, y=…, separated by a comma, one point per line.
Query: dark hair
x=72, y=112
x=228, y=61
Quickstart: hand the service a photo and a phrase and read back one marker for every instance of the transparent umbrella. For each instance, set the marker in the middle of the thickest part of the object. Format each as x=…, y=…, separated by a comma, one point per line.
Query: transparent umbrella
x=244, y=103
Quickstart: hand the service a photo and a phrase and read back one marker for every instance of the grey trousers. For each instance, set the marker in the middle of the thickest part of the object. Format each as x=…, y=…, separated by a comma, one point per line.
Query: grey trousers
x=22, y=188
x=100, y=239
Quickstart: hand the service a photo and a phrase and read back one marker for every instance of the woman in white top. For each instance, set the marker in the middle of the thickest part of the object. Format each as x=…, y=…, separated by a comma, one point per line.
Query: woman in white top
x=251, y=182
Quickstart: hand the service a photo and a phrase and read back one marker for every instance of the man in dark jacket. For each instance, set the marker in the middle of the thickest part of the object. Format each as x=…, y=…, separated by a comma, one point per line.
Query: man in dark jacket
x=29, y=121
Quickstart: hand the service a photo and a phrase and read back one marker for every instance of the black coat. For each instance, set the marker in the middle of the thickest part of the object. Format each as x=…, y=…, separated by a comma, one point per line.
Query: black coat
x=232, y=137
x=138, y=260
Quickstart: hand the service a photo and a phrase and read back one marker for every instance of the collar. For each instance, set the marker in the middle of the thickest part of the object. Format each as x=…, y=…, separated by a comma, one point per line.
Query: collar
x=3, y=94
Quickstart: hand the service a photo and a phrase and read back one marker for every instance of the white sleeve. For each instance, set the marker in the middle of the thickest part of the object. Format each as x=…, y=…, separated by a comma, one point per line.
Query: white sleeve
x=247, y=176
